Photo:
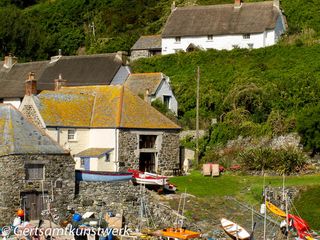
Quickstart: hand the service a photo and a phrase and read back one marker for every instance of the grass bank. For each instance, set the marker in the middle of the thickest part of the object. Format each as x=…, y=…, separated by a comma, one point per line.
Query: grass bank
x=249, y=189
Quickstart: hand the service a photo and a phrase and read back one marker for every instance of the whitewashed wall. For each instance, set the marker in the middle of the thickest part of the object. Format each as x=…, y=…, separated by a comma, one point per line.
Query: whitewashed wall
x=165, y=90
x=13, y=101
x=98, y=164
x=223, y=42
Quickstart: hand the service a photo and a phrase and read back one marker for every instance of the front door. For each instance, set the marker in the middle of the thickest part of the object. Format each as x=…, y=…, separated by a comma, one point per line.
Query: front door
x=33, y=204
x=86, y=163
x=147, y=162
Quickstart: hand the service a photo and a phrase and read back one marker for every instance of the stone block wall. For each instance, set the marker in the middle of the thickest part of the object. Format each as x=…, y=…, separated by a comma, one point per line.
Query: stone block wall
x=168, y=151
x=123, y=198
x=128, y=150
x=31, y=114
x=13, y=183
x=136, y=54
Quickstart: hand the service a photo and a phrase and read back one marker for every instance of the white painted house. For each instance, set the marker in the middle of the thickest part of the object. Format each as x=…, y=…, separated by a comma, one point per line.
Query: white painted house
x=225, y=26
x=152, y=86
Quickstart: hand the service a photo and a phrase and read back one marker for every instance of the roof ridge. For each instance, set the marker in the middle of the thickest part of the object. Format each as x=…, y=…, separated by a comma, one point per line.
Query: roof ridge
x=220, y=5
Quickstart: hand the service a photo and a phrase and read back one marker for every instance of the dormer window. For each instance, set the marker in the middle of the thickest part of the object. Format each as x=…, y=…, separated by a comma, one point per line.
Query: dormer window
x=246, y=36
x=210, y=37
x=178, y=39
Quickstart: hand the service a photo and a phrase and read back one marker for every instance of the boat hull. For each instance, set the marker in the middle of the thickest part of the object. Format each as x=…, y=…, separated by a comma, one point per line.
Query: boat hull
x=93, y=176
x=234, y=230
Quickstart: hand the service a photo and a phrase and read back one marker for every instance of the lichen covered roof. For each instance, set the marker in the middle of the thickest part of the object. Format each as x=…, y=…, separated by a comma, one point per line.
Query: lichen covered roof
x=140, y=82
x=94, y=152
x=152, y=42
x=99, y=107
x=19, y=136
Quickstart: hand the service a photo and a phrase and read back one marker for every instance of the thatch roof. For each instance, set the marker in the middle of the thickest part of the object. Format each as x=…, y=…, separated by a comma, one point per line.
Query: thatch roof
x=224, y=19
x=97, y=69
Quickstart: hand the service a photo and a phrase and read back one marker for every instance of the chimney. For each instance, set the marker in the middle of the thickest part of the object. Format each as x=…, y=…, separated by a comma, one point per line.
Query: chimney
x=9, y=61
x=60, y=82
x=31, y=85
x=146, y=96
x=173, y=6
x=123, y=57
x=276, y=3
x=237, y=3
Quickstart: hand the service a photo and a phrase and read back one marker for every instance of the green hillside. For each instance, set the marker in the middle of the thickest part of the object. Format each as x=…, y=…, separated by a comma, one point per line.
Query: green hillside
x=36, y=29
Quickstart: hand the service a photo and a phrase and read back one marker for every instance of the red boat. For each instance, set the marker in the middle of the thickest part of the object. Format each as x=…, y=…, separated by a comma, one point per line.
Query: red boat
x=151, y=179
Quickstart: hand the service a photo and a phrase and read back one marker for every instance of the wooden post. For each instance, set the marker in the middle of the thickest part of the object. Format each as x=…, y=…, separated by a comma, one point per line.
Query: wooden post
x=197, y=116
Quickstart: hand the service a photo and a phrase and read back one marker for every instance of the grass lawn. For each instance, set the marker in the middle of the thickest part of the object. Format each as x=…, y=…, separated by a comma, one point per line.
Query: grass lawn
x=249, y=189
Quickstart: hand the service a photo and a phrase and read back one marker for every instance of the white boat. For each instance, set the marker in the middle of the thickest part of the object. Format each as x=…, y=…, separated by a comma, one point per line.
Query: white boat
x=152, y=179
x=234, y=230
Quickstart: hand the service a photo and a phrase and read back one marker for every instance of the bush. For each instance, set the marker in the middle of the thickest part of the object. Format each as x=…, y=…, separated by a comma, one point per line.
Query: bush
x=281, y=161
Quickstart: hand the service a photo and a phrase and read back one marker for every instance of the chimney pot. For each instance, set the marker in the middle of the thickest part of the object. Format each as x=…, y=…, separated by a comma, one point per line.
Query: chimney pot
x=59, y=83
x=146, y=96
x=276, y=3
x=31, y=85
x=122, y=56
x=173, y=6
x=9, y=61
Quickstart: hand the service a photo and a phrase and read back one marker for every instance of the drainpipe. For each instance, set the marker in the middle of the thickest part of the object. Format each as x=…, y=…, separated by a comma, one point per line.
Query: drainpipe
x=116, y=150
x=58, y=135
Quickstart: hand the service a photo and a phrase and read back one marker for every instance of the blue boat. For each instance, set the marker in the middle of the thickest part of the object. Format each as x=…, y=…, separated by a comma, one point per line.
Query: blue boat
x=94, y=176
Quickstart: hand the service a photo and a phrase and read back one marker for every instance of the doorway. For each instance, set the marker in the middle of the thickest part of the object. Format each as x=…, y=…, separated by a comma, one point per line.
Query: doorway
x=33, y=204
x=147, y=162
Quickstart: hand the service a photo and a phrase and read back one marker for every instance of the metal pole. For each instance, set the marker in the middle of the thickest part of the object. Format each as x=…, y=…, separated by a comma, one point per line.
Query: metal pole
x=265, y=210
x=197, y=116
x=287, y=217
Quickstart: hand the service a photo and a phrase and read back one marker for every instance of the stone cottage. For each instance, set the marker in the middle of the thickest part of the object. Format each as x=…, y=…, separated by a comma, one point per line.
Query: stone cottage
x=146, y=46
x=34, y=168
x=106, y=128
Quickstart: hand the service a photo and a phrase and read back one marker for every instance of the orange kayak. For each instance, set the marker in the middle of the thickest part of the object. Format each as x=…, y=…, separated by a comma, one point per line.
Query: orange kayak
x=179, y=233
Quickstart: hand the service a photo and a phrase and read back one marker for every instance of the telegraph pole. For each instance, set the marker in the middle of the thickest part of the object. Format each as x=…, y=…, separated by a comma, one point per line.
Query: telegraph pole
x=197, y=117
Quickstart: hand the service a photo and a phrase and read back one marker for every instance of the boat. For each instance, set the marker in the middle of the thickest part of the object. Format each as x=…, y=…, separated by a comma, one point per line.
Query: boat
x=95, y=176
x=234, y=230
x=147, y=178
x=179, y=233
x=274, y=209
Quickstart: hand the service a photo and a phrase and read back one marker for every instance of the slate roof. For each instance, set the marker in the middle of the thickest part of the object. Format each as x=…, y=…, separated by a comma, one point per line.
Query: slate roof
x=222, y=19
x=94, y=152
x=20, y=136
x=97, y=69
x=151, y=42
x=138, y=83
x=99, y=107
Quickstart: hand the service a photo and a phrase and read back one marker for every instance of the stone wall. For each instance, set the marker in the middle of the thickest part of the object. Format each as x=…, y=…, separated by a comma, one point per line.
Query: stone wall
x=168, y=151
x=122, y=198
x=136, y=54
x=31, y=114
x=13, y=183
x=128, y=150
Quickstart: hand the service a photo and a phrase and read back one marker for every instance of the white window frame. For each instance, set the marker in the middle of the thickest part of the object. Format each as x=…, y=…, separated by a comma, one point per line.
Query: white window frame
x=210, y=38
x=246, y=36
x=74, y=135
x=250, y=45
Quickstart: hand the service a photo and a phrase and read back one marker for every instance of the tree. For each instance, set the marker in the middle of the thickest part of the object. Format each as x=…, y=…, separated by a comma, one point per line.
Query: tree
x=308, y=125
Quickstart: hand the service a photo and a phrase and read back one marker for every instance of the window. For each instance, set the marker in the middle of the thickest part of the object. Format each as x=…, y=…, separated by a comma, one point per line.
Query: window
x=235, y=46
x=82, y=162
x=34, y=171
x=210, y=37
x=246, y=36
x=107, y=159
x=71, y=134
x=166, y=101
x=178, y=39
x=147, y=141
